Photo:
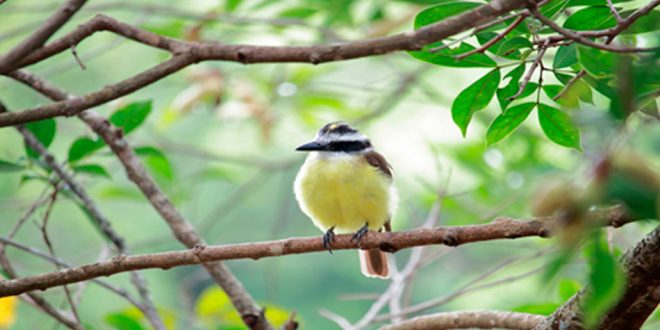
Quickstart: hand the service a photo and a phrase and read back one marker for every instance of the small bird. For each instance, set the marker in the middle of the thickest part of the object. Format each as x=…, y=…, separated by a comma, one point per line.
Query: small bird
x=346, y=186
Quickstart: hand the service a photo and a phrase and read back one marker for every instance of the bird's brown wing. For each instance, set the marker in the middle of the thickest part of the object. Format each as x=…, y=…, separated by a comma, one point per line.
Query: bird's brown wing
x=377, y=160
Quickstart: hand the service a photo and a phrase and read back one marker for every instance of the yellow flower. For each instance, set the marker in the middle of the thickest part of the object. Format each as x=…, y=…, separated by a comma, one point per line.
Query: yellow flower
x=8, y=311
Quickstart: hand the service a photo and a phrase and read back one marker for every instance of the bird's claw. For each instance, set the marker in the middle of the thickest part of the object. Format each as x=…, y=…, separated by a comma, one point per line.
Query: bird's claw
x=328, y=238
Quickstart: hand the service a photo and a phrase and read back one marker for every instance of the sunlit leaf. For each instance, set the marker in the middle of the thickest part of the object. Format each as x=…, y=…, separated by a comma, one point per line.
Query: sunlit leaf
x=567, y=288
x=121, y=193
x=231, y=5
x=437, y=13
x=568, y=99
x=6, y=166
x=578, y=87
x=558, y=127
x=553, y=7
x=44, y=131
x=298, y=12
x=131, y=116
x=574, y=3
x=474, y=98
x=83, y=147
x=541, y=309
x=447, y=56
x=507, y=122
x=591, y=18
x=565, y=57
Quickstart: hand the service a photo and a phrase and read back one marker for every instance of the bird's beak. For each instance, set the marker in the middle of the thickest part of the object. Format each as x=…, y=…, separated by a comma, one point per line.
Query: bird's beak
x=311, y=146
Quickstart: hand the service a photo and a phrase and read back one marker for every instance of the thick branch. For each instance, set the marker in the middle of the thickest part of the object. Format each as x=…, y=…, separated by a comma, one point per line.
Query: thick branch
x=186, y=53
x=181, y=228
x=465, y=320
x=11, y=60
x=501, y=228
x=639, y=300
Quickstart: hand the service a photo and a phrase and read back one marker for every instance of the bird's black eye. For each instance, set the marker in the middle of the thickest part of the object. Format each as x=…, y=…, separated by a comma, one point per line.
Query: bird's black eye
x=348, y=146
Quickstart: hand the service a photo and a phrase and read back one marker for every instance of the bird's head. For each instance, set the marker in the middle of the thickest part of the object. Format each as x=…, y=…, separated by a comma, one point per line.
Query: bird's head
x=337, y=137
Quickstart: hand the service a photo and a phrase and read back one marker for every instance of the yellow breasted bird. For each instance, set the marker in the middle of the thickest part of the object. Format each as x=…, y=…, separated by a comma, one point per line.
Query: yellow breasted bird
x=346, y=186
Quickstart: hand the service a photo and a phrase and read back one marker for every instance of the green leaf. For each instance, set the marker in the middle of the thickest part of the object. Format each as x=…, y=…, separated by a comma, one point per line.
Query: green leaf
x=510, y=47
x=591, y=18
x=92, y=169
x=504, y=93
x=598, y=63
x=44, y=131
x=558, y=127
x=131, y=116
x=606, y=280
x=446, y=56
x=28, y=177
x=156, y=161
x=173, y=28
x=439, y=12
x=121, y=193
x=84, y=147
x=231, y=5
x=298, y=12
x=575, y=3
x=121, y=321
x=565, y=57
x=6, y=167
x=553, y=7
x=541, y=309
x=569, y=100
x=503, y=96
x=507, y=122
x=474, y=98
x=567, y=288
x=579, y=87
x=647, y=23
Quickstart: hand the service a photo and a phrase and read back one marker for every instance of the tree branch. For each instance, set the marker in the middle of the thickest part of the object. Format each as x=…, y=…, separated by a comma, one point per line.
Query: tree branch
x=465, y=320
x=501, y=228
x=186, y=53
x=10, y=61
x=182, y=229
x=639, y=300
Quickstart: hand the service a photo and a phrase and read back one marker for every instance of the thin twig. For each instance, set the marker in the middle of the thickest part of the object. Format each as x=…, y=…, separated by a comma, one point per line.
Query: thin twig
x=615, y=12
x=493, y=41
x=530, y=72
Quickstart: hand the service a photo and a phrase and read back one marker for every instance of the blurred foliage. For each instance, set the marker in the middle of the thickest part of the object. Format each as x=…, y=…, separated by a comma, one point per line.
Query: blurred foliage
x=219, y=138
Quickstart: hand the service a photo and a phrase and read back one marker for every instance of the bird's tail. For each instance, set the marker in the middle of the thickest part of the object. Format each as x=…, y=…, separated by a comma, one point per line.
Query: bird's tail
x=373, y=263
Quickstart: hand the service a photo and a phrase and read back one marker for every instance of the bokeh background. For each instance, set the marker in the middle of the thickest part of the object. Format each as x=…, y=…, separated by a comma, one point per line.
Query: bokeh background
x=224, y=135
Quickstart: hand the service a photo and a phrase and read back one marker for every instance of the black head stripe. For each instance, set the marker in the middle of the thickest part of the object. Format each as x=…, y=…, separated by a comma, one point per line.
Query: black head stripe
x=338, y=128
x=348, y=146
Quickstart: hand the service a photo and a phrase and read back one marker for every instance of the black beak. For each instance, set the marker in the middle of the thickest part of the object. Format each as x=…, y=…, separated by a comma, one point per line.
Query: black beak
x=311, y=146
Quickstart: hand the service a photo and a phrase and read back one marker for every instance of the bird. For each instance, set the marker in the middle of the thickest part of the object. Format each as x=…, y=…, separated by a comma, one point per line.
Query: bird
x=344, y=185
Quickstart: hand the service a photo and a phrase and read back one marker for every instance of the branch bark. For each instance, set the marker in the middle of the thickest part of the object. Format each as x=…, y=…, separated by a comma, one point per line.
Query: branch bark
x=11, y=60
x=250, y=312
x=186, y=53
x=639, y=300
x=465, y=320
x=501, y=228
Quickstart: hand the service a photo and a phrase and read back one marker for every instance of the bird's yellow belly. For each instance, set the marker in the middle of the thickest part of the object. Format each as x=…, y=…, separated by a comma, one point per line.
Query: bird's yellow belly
x=344, y=193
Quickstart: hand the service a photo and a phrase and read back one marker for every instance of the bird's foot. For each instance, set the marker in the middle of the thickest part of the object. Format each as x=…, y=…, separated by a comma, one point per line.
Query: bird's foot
x=328, y=238
x=357, y=237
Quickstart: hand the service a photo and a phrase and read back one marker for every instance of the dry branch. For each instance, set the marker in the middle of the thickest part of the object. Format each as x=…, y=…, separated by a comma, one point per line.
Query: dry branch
x=640, y=298
x=501, y=228
x=187, y=53
x=470, y=320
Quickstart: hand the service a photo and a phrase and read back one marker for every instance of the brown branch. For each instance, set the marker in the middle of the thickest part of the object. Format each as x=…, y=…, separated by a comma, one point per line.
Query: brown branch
x=640, y=298
x=186, y=53
x=497, y=38
x=100, y=220
x=582, y=39
x=465, y=320
x=182, y=229
x=501, y=228
x=530, y=72
x=10, y=61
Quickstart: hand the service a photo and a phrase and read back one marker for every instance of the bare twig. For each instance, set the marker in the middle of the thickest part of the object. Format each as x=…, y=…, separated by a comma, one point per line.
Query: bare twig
x=186, y=53
x=497, y=38
x=469, y=320
x=615, y=12
x=10, y=61
x=501, y=228
x=530, y=72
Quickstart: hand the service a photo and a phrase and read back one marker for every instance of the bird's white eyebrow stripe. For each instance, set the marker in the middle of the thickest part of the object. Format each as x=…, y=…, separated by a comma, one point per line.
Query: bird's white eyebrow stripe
x=357, y=136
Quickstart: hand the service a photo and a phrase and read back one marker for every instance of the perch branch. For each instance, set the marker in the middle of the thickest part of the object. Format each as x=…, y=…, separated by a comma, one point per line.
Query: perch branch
x=501, y=228
x=469, y=320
